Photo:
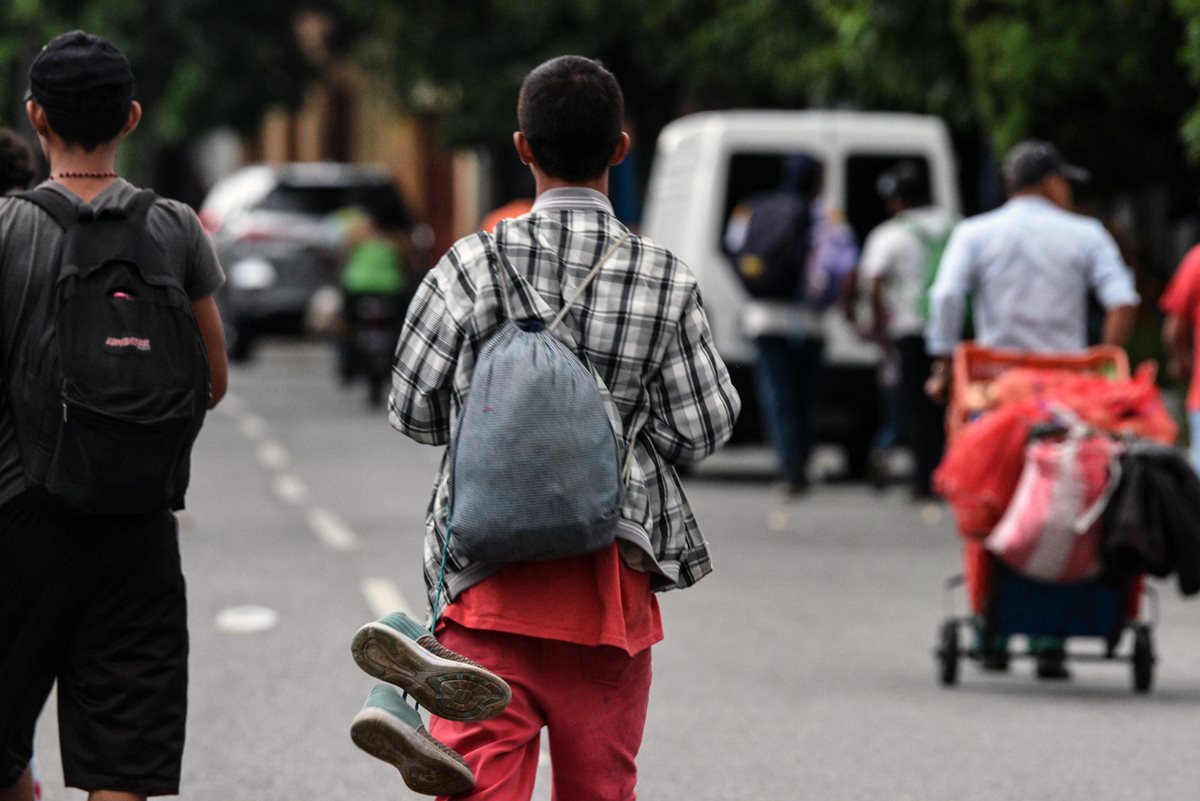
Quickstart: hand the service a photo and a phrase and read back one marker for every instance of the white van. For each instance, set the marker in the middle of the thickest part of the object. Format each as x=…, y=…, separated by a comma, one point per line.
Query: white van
x=705, y=164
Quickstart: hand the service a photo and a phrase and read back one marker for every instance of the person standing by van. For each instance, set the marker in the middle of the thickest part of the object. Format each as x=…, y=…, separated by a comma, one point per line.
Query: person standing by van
x=899, y=263
x=1028, y=267
x=793, y=255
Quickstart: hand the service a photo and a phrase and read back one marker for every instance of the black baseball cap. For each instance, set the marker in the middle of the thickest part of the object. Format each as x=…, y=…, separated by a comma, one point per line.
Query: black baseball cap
x=906, y=181
x=1032, y=160
x=77, y=70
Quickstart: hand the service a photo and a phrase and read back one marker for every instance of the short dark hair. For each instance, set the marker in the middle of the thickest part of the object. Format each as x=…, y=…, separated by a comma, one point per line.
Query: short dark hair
x=85, y=85
x=907, y=183
x=570, y=110
x=16, y=162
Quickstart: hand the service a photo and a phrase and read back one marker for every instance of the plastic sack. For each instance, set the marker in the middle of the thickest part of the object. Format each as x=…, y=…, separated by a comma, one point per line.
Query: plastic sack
x=1051, y=529
x=982, y=467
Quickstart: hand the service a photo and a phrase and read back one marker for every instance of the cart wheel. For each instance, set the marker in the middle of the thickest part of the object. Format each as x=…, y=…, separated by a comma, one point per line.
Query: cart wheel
x=948, y=653
x=1143, y=658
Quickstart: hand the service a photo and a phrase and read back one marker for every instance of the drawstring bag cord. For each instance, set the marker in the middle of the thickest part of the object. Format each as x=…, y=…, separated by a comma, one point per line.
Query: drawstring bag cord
x=441, y=579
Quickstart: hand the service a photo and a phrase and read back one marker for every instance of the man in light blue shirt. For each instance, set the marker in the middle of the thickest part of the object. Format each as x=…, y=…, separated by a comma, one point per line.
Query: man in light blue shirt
x=1028, y=267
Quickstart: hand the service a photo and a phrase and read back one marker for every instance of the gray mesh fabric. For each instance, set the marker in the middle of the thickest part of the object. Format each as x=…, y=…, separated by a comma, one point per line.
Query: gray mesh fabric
x=536, y=465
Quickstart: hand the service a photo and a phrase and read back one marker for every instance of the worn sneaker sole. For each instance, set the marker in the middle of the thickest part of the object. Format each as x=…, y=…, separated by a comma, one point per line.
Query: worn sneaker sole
x=427, y=766
x=449, y=688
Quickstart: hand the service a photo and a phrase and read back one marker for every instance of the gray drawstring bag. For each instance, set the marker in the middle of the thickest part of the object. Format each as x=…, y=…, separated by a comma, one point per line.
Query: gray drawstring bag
x=536, y=469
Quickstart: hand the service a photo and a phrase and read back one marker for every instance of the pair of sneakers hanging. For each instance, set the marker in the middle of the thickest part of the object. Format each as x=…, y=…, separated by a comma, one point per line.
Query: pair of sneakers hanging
x=398, y=650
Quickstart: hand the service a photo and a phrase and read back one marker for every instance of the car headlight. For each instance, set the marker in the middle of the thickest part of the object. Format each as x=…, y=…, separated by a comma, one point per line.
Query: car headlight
x=251, y=274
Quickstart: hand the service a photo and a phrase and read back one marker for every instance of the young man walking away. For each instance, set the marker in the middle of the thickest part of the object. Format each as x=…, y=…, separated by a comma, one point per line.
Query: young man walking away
x=570, y=636
x=95, y=600
x=896, y=265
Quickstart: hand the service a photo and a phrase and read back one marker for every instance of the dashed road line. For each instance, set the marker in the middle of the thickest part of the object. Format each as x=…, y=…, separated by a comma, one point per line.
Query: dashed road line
x=252, y=426
x=273, y=456
x=291, y=488
x=330, y=529
x=384, y=597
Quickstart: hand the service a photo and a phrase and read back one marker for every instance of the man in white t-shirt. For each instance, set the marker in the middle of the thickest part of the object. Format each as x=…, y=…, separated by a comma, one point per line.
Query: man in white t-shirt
x=897, y=265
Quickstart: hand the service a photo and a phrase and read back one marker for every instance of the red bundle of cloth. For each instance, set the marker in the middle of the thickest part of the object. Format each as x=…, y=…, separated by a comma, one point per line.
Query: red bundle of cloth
x=982, y=466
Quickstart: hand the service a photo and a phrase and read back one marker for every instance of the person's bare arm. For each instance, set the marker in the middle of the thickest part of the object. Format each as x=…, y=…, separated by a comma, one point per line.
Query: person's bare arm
x=1118, y=324
x=208, y=317
x=937, y=386
x=878, y=327
x=1176, y=337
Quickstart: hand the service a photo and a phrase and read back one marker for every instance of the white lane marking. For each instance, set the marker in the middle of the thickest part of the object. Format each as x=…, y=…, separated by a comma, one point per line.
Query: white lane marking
x=384, y=597
x=252, y=426
x=291, y=488
x=330, y=529
x=231, y=405
x=273, y=456
x=246, y=619
x=778, y=520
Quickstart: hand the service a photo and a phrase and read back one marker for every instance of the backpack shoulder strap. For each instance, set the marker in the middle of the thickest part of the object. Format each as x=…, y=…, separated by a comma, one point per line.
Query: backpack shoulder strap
x=579, y=290
x=139, y=205
x=502, y=264
x=60, y=208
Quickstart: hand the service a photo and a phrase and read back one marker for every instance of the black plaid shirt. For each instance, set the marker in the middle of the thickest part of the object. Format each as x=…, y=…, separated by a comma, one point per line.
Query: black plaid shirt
x=641, y=326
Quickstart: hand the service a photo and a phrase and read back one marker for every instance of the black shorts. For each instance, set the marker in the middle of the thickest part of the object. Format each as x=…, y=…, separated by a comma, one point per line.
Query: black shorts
x=98, y=604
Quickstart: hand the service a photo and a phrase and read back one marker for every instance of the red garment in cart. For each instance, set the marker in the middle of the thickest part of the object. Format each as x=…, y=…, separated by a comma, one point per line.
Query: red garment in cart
x=1119, y=407
x=983, y=465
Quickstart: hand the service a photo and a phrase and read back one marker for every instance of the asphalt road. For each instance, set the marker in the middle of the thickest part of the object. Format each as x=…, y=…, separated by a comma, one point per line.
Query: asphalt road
x=801, y=669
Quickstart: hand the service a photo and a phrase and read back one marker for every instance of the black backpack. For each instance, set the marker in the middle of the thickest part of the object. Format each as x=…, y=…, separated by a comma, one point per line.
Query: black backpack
x=110, y=381
x=771, y=261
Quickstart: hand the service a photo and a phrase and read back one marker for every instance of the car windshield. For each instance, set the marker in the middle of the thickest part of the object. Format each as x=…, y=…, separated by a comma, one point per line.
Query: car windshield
x=380, y=200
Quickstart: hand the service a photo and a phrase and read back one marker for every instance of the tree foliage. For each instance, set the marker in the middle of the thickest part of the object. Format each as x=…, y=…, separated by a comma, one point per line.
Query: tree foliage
x=199, y=64
x=1099, y=77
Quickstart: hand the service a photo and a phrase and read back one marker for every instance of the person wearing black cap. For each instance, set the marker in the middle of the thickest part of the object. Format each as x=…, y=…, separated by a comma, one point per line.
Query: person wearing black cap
x=95, y=602
x=896, y=265
x=1028, y=267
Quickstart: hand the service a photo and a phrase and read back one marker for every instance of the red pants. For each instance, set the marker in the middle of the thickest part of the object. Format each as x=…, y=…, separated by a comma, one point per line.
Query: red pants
x=592, y=700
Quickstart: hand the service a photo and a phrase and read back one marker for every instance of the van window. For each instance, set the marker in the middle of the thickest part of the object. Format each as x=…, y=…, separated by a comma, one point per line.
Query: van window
x=864, y=208
x=750, y=174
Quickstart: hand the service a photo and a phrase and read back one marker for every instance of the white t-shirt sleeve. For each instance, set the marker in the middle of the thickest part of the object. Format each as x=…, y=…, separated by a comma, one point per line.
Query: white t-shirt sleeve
x=880, y=251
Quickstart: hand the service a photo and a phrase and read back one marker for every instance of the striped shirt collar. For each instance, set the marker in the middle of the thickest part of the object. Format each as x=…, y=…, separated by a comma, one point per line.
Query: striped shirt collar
x=572, y=198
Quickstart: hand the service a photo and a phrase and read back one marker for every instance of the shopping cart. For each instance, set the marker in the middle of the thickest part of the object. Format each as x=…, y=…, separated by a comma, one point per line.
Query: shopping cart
x=1016, y=605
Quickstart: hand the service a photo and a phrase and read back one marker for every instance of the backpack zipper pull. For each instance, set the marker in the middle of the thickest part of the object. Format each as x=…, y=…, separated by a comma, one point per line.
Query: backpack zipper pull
x=64, y=411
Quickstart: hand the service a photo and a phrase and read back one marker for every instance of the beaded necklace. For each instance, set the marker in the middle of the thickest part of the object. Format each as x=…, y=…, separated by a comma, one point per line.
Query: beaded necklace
x=82, y=174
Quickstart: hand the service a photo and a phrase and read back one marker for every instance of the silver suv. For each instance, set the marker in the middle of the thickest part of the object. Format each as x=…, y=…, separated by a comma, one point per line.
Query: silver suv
x=274, y=233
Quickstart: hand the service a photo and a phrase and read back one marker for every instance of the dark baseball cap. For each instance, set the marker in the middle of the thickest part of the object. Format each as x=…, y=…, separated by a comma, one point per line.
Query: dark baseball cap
x=1032, y=160
x=906, y=181
x=77, y=69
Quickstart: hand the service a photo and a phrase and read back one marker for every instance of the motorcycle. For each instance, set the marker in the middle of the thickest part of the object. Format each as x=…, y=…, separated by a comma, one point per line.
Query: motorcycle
x=373, y=325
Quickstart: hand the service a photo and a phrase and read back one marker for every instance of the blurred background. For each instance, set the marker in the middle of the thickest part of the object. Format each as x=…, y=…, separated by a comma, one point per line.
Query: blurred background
x=273, y=119
x=427, y=90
